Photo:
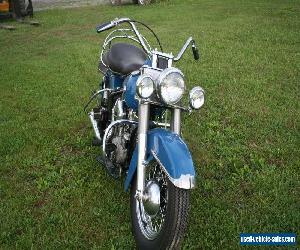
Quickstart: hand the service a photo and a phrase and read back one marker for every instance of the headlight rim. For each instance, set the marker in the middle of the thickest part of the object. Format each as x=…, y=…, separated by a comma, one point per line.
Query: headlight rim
x=191, y=92
x=139, y=82
x=160, y=79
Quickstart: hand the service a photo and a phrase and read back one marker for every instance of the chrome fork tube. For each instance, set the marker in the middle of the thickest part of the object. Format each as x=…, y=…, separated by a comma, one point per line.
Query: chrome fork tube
x=142, y=146
x=176, y=121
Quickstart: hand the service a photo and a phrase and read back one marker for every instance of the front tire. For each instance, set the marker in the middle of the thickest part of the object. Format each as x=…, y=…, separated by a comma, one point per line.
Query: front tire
x=168, y=232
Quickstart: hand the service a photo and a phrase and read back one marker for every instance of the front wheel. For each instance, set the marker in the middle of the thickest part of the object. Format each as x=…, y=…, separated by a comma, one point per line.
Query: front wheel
x=159, y=222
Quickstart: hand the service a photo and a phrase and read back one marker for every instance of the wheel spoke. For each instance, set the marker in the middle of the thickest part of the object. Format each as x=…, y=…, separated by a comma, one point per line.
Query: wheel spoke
x=151, y=225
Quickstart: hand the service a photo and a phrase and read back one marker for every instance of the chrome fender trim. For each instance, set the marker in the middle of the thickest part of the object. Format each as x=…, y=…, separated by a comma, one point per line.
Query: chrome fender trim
x=171, y=153
x=185, y=181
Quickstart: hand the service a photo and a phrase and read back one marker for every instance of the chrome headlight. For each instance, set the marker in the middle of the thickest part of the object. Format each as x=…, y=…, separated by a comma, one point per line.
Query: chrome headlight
x=144, y=86
x=170, y=85
x=196, y=97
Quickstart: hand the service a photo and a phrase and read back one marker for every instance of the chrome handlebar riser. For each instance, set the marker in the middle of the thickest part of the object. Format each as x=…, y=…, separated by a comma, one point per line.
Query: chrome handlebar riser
x=183, y=49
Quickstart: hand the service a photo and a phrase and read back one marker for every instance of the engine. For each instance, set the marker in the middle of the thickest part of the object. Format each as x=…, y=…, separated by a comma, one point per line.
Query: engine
x=119, y=144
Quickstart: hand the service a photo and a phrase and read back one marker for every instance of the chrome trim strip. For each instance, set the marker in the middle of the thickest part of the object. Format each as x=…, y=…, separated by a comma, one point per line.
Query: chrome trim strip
x=162, y=124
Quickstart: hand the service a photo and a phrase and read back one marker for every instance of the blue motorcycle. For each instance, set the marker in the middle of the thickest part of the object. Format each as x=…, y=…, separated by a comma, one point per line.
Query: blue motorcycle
x=137, y=122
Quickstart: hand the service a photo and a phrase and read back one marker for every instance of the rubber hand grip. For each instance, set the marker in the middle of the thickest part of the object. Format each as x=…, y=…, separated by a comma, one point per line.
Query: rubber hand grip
x=195, y=52
x=104, y=26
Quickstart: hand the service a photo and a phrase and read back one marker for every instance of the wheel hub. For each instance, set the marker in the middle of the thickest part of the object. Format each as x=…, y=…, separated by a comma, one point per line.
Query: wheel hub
x=151, y=201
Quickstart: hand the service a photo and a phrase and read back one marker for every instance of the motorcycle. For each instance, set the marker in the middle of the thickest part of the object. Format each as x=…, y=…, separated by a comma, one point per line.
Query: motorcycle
x=137, y=122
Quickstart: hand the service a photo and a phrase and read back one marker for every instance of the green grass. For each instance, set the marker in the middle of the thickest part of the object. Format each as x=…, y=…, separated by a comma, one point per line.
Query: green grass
x=245, y=141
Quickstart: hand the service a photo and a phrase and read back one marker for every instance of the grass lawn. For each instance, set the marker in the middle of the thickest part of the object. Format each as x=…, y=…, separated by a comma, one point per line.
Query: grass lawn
x=245, y=141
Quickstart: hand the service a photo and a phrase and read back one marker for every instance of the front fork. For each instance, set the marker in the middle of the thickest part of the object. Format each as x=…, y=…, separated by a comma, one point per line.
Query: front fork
x=143, y=114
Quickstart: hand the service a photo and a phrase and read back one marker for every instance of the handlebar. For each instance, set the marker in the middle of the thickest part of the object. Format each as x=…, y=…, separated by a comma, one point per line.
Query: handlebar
x=189, y=41
x=117, y=21
x=195, y=52
x=106, y=26
x=109, y=25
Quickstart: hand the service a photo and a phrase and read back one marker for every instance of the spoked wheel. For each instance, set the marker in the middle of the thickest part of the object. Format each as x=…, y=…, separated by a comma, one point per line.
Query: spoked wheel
x=159, y=222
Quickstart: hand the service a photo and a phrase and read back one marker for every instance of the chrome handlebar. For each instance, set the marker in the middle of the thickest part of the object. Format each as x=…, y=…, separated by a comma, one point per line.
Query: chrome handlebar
x=189, y=41
x=109, y=25
x=117, y=21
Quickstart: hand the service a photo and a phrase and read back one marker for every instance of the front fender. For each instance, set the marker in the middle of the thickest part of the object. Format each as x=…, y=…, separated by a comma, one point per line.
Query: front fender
x=173, y=155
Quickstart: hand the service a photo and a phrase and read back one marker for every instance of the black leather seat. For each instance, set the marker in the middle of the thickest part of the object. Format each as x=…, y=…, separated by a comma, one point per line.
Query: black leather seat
x=124, y=58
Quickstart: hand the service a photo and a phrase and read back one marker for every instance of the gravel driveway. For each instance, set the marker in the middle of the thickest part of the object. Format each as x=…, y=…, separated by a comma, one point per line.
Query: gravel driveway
x=50, y=4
